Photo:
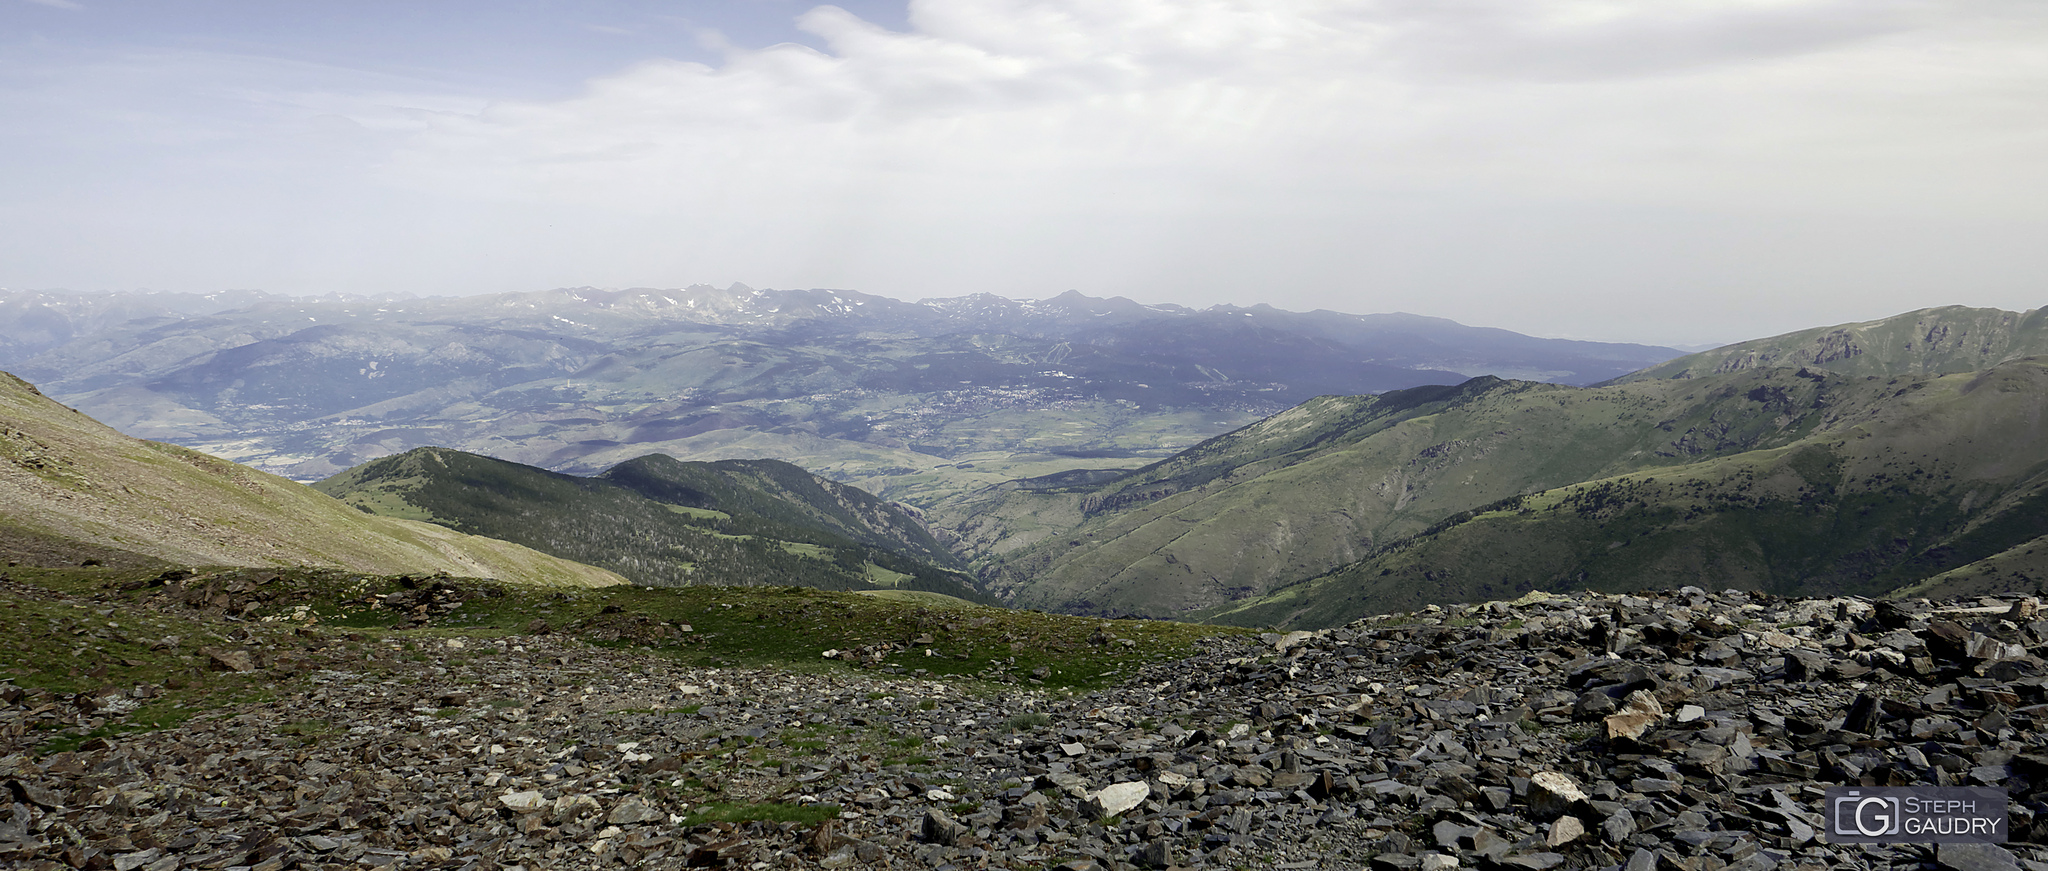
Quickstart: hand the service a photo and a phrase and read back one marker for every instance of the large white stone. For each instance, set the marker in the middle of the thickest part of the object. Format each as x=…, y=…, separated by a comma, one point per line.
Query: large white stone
x=1552, y=793
x=1564, y=830
x=1117, y=798
x=1292, y=640
x=524, y=802
x=1638, y=713
x=1438, y=862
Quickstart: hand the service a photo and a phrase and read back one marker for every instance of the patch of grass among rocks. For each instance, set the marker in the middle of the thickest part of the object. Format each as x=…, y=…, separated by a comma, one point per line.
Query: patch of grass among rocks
x=711, y=626
x=116, y=650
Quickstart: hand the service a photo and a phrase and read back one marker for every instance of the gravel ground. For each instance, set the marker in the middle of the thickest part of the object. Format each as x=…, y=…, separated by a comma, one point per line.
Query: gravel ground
x=1682, y=730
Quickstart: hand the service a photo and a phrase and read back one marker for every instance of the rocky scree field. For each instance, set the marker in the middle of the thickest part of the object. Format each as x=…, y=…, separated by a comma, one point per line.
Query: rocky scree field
x=228, y=719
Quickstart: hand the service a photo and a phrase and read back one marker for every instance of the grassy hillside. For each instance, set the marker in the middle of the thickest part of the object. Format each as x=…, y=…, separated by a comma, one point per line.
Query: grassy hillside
x=774, y=495
x=1934, y=341
x=1932, y=486
x=73, y=490
x=1332, y=480
x=662, y=522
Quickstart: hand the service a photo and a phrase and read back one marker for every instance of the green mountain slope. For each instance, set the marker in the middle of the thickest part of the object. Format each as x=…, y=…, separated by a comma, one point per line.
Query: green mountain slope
x=1934, y=341
x=663, y=522
x=1933, y=486
x=72, y=489
x=782, y=495
x=1330, y=481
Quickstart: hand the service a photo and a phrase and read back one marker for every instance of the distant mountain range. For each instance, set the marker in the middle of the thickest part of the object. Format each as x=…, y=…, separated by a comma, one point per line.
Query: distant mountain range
x=1789, y=478
x=911, y=400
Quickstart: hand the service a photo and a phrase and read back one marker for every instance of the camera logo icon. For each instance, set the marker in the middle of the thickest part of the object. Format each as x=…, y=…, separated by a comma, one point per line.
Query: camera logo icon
x=1869, y=816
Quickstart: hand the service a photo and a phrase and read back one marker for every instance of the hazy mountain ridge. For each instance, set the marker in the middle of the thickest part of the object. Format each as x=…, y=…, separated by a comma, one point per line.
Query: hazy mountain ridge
x=32, y=322
x=72, y=489
x=886, y=393
x=662, y=522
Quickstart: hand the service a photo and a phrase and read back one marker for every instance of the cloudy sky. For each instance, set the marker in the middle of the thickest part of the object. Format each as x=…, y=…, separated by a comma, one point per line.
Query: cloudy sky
x=1680, y=171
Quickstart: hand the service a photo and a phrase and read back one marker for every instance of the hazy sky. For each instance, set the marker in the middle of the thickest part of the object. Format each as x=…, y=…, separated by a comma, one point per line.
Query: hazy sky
x=1649, y=170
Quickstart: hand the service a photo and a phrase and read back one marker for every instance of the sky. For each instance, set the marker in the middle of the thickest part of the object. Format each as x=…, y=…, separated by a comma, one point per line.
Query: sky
x=1678, y=171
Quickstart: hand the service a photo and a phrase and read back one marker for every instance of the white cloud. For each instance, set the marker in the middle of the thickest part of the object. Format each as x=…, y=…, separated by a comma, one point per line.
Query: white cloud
x=59, y=4
x=1819, y=104
x=1480, y=159
x=1595, y=39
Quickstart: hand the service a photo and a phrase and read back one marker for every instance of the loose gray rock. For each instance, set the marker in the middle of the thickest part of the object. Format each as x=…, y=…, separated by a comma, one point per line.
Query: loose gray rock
x=1459, y=737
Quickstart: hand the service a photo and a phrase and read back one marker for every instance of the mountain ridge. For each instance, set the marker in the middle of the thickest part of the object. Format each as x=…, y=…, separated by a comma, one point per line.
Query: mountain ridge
x=1929, y=341
x=1864, y=510
x=1326, y=482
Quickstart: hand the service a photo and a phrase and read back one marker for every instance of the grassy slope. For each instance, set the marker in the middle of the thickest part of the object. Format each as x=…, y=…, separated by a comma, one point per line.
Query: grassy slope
x=1328, y=482
x=1934, y=341
x=625, y=522
x=782, y=494
x=67, y=481
x=1936, y=485
x=2023, y=567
